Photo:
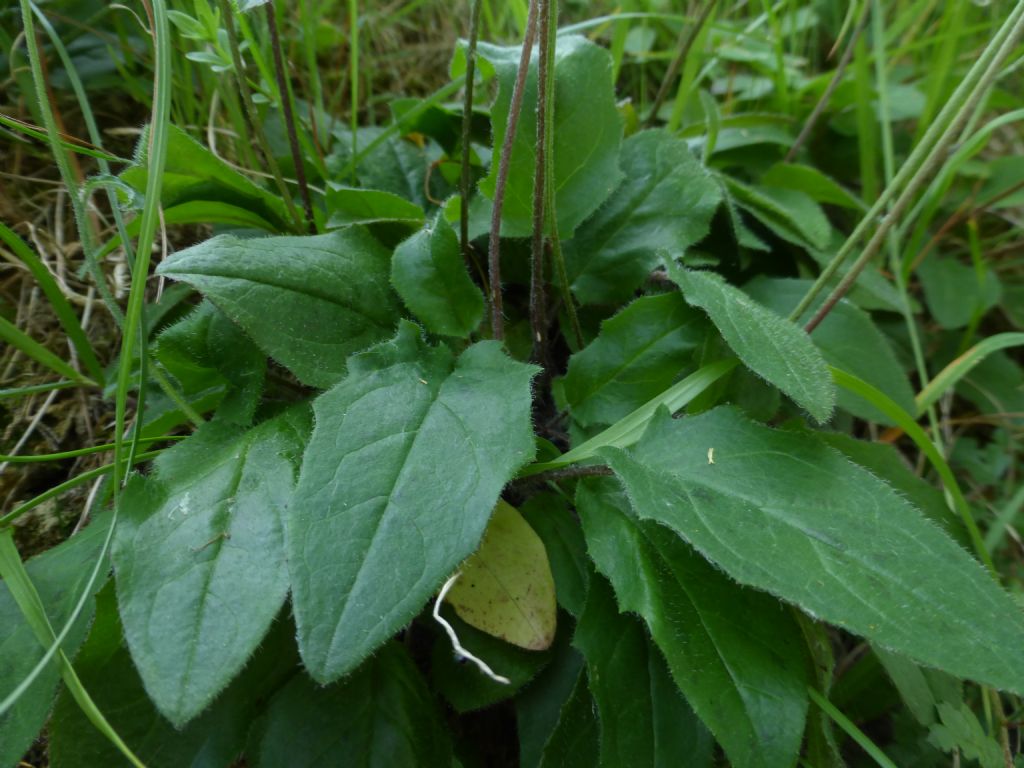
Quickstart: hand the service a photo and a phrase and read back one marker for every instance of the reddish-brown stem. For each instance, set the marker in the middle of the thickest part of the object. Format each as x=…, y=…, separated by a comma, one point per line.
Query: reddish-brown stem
x=467, y=125
x=514, y=108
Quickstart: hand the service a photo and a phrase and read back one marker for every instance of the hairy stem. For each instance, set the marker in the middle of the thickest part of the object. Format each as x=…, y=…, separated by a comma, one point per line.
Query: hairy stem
x=514, y=108
x=467, y=125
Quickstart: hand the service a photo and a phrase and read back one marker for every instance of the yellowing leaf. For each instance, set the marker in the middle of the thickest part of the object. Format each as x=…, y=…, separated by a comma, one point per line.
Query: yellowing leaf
x=506, y=588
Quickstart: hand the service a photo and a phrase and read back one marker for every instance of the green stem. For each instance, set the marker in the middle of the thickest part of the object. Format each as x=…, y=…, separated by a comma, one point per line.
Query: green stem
x=64, y=165
x=353, y=78
x=940, y=129
x=284, y=96
x=251, y=118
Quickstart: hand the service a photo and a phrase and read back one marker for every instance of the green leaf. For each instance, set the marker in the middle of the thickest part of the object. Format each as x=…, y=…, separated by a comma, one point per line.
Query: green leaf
x=539, y=706
x=429, y=273
x=61, y=307
x=587, y=128
x=11, y=335
x=59, y=575
x=199, y=558
x=628, y=430
x=960, y=731
x=963, y=365
x=573, y=742
x=352, y=205
x=783, y=513
x=789, y=213
x=381, y=716
x=813, y=183
x=885, y=462
x=506, y=588
x=639, y=353
x=217, y=737
x=308, y=302
x=734, y=653
x=393, y=163
x=847, y=339
x=663, y=206
x=409, y=454
x=549, y=515
x=767, y=343
x=206, y=351
x=462, y=684
x=921, y=689
x=193, y=174
x=955, y=292
x=643, y=718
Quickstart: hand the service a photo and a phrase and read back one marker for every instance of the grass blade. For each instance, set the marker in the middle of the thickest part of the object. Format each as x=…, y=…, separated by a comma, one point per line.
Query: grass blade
x=61, y=307
x=14, y=575
x=628, y=430
x=960, y=367
x=17, y=338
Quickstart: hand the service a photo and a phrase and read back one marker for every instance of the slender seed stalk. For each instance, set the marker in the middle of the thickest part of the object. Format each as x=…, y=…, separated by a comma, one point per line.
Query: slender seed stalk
x=913, y=165
x=249, y=113
x=687, y=36
x=60, y=156
x=514, y=108
x=467, y=126
x=353, y=79
x=1014, y=27
x=538, y=311
x=284, y=93
x=837, y=77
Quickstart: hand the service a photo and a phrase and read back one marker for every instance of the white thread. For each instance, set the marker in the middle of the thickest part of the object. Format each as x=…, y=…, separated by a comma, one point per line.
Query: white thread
x=461, y=652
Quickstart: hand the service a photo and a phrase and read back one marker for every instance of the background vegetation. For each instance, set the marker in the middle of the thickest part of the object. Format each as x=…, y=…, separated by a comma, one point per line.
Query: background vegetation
x=789, y=132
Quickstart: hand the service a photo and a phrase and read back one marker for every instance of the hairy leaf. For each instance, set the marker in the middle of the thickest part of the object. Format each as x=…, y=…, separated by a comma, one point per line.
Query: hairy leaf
x=59, y=575
x=639, y=353
x=735, y=654
x=663, y=206
x=643, y=718
x=107, y=671
x=847, y=339
x=199, y=558
x=409, y=454
x=767, y=343
x=781, y=512
x=539, y=706
x=193, y=176
x=382, y=715
x=551, y=518
x=308, y=302
x=789, y=213
x=352, y=205
x=587, y=125
x=429, y=273
x=462, y=684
